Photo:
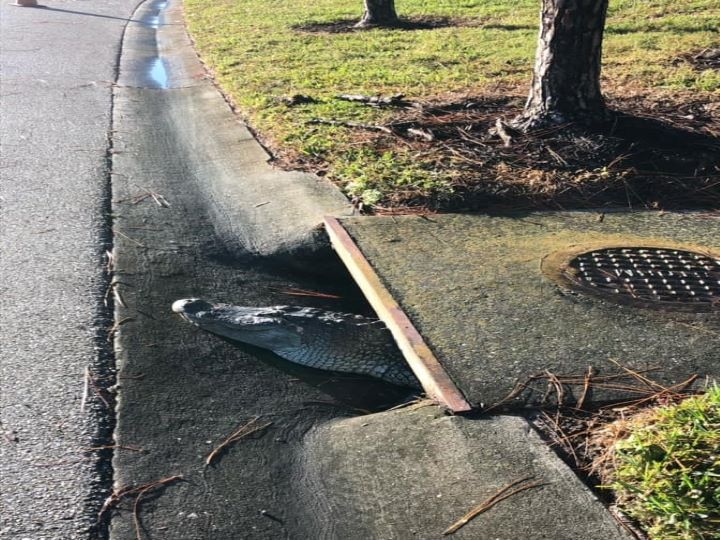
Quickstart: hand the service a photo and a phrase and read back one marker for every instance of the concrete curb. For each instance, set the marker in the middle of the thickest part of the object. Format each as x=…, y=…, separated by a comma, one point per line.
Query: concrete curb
x=411, y=473
x=257, y=209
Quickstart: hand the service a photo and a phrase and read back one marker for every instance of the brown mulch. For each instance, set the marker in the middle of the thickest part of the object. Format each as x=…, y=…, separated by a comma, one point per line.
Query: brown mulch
x=585, y=438
x=654, y=152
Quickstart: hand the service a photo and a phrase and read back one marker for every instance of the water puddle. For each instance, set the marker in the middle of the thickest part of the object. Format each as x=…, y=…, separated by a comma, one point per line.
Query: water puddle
x=155, y=71
x=153, y=19
x=158, y=73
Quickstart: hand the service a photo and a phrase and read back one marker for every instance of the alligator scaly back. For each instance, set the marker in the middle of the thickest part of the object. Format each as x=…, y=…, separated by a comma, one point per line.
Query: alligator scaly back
x=312, y=337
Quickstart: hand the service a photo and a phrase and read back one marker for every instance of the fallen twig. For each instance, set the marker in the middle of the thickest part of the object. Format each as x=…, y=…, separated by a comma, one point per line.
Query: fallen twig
x=588, y=381
x=116, y=294
x=110, y=264
x=652, y=385
x=554, y=382
x=564, y=439
x=241, y=432
x=147, y=194
x=90, y=380
x=86, y=389
x=135, y=199
x=396, y=100
x=357, y=125
x=303, y=292
x=501, y=495
x=159, y=199
x=414, y=404
x=113, y=287
x=586, y=387
x=626, y=523
x=128, y=238
x=114, y=328
x=671, y=391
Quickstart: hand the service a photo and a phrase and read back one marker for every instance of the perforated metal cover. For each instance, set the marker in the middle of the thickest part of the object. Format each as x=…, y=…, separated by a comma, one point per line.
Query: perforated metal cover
x=649, y=276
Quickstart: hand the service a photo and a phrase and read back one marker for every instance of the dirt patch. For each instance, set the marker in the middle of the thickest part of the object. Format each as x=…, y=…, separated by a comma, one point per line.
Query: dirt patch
x=344, y=26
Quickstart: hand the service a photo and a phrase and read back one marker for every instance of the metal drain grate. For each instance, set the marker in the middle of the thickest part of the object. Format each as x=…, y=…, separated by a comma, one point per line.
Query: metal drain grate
x=650, y=276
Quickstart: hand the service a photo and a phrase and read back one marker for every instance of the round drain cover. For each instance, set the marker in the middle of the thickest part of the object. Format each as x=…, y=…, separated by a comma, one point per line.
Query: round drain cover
x=649, y=276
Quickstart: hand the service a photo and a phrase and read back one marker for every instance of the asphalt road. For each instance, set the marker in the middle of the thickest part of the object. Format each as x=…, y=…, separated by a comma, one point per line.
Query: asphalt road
x=57, y=65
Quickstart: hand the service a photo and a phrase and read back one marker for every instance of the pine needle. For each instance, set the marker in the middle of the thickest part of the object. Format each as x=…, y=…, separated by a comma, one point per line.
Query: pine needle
x=501, y=495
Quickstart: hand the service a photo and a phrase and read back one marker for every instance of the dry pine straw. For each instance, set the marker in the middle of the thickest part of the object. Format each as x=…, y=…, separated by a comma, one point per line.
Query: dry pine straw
x=657, y=152
x=243, y=431
x=587, y=437
x=138, y=492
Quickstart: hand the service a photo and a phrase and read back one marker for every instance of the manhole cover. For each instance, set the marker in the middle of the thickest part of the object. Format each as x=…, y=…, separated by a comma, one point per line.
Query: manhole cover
x=649, y=276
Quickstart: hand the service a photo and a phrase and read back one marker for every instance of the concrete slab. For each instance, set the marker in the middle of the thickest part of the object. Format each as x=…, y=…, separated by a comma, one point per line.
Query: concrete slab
x=412, y=473
x=474, y=288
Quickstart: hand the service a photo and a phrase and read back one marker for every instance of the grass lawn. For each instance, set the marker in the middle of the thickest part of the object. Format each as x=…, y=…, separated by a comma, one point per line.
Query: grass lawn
x=666, y=473
x=475, y=56
x=470, y=65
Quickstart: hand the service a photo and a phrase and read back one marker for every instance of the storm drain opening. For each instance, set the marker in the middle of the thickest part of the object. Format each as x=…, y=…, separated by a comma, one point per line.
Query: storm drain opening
x=662, y=277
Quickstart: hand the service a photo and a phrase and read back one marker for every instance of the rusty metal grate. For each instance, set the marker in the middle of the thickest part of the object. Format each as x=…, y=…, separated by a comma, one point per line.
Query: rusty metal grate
x=648, y=275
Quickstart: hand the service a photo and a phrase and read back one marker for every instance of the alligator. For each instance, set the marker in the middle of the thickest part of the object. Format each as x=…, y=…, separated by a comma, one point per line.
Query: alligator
x=313, y=337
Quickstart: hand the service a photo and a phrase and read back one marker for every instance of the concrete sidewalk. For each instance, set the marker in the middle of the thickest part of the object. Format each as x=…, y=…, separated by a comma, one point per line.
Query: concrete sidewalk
x=413, y=472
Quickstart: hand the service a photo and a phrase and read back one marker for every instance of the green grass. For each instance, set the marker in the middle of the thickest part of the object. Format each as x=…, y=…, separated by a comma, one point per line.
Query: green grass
x=668, y=471
x=257, y=57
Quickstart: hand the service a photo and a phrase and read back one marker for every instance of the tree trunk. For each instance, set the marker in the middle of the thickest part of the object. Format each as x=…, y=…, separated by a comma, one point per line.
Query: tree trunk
x=566, y=80
x=379, y=13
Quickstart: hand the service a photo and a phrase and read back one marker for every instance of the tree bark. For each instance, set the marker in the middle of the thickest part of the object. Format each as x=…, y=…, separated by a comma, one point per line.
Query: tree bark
x=566, y=79
x=379, y=13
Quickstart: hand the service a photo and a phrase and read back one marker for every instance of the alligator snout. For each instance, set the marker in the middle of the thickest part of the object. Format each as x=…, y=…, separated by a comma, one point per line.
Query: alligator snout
x=191, y=306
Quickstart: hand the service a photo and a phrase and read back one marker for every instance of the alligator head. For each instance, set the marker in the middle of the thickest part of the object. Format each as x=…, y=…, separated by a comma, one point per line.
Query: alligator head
x=309, y=336
x=265, y=327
